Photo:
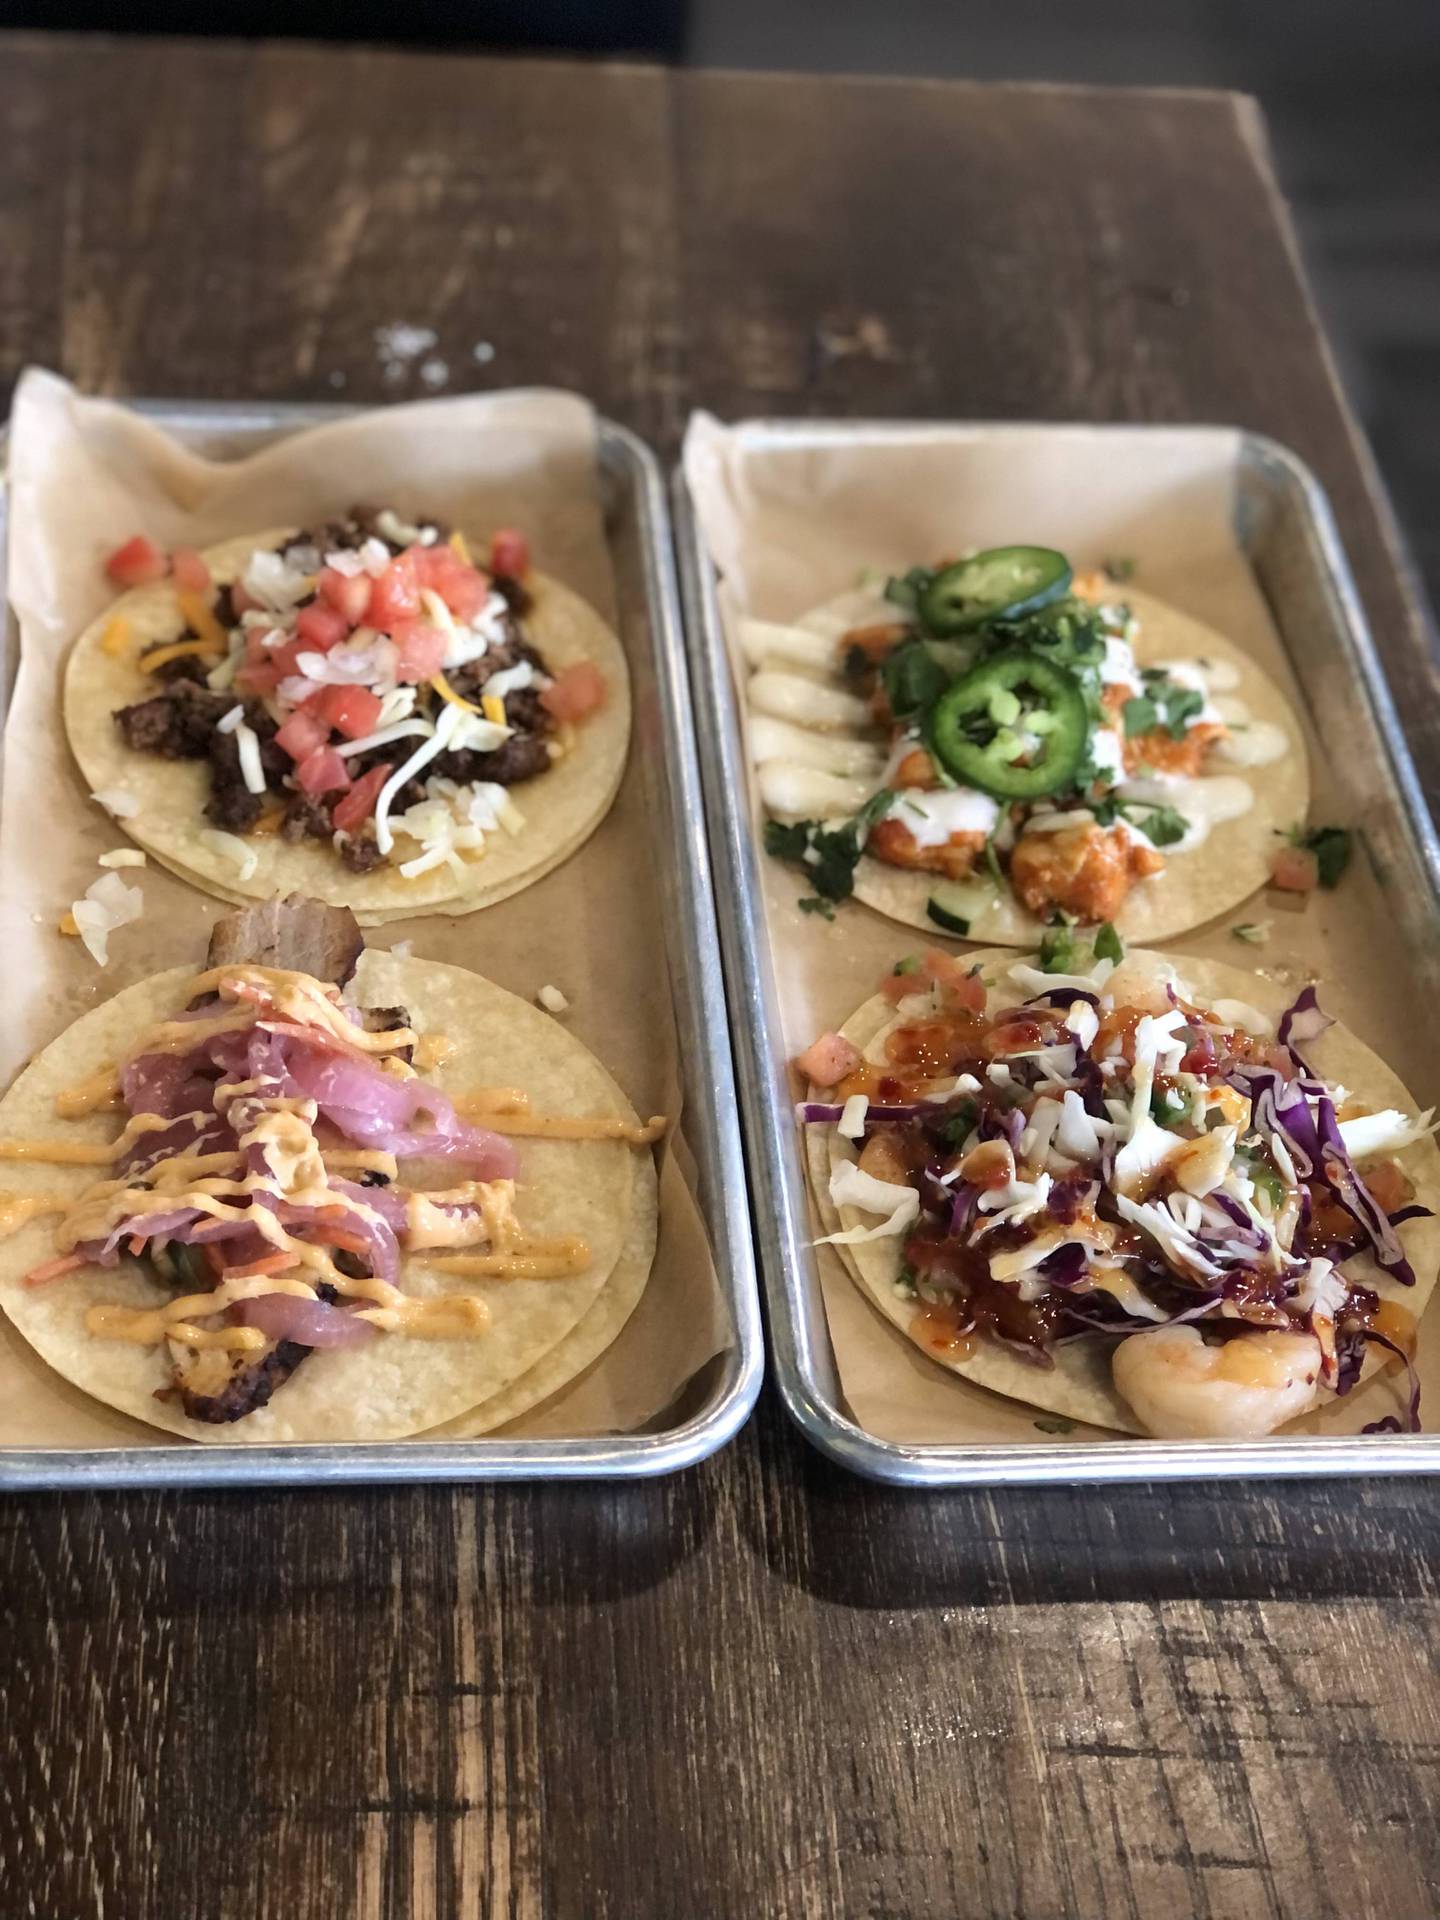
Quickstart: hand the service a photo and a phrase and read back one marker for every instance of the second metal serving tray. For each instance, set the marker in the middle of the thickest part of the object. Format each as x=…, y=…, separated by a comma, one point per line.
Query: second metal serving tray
x=1283, y=526
x=718, y=1401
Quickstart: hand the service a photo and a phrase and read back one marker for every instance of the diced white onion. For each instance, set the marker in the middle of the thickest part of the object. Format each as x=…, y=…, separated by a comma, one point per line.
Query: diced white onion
x=229, y=846
x=123, y=857
x=553, y=1000
x=117, y=802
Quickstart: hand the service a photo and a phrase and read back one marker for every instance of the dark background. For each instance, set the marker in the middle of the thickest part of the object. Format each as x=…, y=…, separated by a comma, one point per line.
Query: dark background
x=1351, y=92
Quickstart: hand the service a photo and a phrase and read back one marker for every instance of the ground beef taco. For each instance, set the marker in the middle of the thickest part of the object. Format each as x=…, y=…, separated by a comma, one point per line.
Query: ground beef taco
x=1165, y=1197
x=357, y=711
x=995, y=745
x=313, y=1193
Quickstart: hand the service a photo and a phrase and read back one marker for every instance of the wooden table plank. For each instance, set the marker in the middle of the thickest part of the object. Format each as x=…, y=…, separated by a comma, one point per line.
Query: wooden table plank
x=763, y=1687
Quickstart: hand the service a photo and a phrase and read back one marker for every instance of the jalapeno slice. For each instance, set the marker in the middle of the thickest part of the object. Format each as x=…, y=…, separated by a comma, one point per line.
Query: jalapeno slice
x=1002, y=582
x=978, y=727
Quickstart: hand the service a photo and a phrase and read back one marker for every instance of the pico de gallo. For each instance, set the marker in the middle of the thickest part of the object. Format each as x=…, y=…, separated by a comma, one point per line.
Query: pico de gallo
x=1091, y=1165
x=996, y=732
x=368, y=683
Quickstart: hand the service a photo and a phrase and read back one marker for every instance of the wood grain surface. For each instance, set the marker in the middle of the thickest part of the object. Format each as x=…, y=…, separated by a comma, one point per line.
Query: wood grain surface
x=762, y=1688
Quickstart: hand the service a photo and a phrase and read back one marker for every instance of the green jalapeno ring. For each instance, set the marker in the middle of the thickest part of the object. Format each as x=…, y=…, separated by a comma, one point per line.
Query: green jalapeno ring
x=967, y=738
x=1001, y=583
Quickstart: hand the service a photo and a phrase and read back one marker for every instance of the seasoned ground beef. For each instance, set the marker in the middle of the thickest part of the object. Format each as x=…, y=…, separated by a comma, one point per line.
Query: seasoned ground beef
x=519, y=758
x=186, y=666
x=516, y=596
x=306, y=818
x=361, y=853
x=176, y=724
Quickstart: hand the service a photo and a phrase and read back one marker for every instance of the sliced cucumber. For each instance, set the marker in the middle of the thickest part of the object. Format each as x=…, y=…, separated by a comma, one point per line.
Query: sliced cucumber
x=954, y=904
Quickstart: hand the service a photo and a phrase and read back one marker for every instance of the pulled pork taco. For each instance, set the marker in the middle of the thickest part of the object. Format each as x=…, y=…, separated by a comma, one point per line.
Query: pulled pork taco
x=996, y=745
x=357, y=711
x=314, y=1193
x=1128, y=1195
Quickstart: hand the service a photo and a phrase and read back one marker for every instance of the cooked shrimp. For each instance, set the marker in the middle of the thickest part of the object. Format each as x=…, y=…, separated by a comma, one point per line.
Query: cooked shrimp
x=1181, y=1389
x=1087, y=870
x=893, y=842
x=1160, y=751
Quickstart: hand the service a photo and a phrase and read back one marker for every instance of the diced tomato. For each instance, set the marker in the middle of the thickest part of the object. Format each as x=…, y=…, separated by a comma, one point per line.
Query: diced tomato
x=829, y=1059
x=303, y=735
x=265, y=667
x=190, y=570
x=510, y=553
x=396, y=594
x=464, y=589
x=356, y=806
x=137, y=563
x=352, y=711
x=320, y=628
x=895, y=985
x=952, y=971
x=419, y=650
x=1295, y=870
x=348, y=594
x=575, y=692
x=322, y=771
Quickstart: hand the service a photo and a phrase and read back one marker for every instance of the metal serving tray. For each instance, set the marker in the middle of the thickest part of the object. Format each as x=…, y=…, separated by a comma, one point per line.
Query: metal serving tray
x=718, y=1401
x=1283, y=524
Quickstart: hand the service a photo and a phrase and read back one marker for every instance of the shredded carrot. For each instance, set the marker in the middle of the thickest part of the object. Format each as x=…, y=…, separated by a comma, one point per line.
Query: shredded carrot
x=337, y=1237
x=137, y=1243
x=213, y=1254
x=52, y=1269
x=493, y=708
x=269, y=1263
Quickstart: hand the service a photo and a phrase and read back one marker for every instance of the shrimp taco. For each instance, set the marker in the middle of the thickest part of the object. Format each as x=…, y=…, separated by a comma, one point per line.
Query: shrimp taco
x=1151, y=1196
x=358, y=711
x=995, y=745
x=316, y=1193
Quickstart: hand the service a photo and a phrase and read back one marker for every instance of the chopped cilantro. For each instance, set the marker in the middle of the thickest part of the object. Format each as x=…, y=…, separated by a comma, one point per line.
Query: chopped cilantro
x=1108, y=944
x=1160, y=824
x=1331, y=848
x=912, y=677
x=1119, y=567
x=958, y=1126
x=812, y=903
x=992, y=862
x=1055, y=1426
x=828, y=854
x=1253, y=932
x=1164, y=704
x=910, y=964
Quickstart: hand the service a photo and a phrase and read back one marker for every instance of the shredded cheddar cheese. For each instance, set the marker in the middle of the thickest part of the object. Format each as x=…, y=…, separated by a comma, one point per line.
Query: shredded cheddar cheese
x=200, y=616
x=117, y=636
x=458, y=546
x=493, y=707
x=157, y=657
x=446, y=692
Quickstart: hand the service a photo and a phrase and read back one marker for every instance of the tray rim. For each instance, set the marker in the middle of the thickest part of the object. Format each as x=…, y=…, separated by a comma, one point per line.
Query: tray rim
x=700, y=1006
x=815, y=1410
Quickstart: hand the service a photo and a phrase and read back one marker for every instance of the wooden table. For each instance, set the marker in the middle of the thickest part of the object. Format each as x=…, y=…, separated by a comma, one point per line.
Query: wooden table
x=763, y=1688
